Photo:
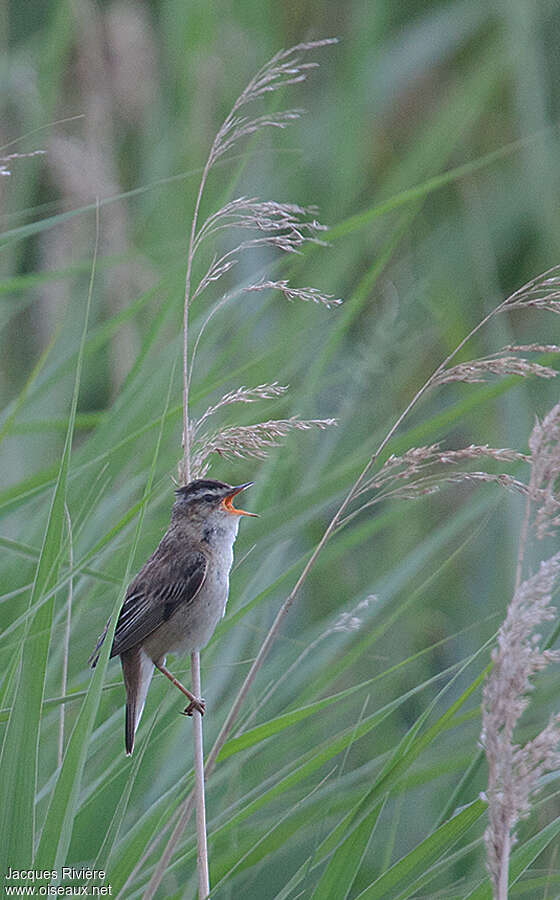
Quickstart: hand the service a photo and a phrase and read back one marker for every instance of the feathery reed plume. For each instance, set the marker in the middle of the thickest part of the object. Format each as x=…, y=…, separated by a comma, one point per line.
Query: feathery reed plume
x=478, y=370
x=530, y=348
x=417, y=459
x=244, y=441
x=544, y=485
x=308, y=294
x=514, y=770
x=283, y=226
x=542, y=292
x=434, y=484
x=266, y=216
x=243, y=395
x=419, y=471
x=285, y=68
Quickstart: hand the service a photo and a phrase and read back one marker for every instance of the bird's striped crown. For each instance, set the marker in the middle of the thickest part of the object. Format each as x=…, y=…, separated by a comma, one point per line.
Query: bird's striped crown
x=203, y=489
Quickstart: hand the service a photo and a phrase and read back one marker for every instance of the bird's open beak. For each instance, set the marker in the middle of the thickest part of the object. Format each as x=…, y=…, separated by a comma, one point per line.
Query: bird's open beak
x=227, y=502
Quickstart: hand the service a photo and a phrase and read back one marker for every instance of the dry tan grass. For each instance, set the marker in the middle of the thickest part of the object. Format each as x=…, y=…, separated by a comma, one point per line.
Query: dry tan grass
x=479, y=370
x=513, y=769
x=244, y=441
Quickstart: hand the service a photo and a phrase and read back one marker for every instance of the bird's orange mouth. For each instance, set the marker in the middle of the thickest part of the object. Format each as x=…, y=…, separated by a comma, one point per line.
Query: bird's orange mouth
x=227, y=502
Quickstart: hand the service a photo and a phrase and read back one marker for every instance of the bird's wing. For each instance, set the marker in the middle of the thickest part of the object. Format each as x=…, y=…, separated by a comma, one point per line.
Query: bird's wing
x=154, y=595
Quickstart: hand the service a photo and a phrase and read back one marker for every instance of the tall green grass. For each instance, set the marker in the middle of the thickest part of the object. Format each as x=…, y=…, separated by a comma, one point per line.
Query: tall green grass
x=425, y=147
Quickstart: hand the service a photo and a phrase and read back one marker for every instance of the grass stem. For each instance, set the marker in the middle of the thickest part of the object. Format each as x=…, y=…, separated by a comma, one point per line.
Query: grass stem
x=201, y=842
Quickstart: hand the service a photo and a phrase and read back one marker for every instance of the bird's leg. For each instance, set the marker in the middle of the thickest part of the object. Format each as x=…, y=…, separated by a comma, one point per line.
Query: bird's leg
x=196, y=702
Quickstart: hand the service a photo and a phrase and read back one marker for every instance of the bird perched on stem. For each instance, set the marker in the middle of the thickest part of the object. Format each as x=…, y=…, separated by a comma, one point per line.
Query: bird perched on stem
x=179, y=595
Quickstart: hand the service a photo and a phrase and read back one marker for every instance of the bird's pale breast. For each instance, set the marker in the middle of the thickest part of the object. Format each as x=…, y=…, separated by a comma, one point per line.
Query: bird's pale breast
x=191, y=626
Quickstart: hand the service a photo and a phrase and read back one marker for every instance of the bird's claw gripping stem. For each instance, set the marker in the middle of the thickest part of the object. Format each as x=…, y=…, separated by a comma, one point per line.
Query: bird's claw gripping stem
x=198, y=704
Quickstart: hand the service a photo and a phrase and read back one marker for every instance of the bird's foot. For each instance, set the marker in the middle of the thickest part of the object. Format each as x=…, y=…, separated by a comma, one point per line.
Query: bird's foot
x=198, y=704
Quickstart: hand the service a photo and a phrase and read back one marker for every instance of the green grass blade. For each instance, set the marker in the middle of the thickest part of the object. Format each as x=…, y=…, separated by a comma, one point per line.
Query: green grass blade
x=18, y=763
x=57, y=830
x=424, y=855
x=130, y=848
x=339, y=876
x=274, y=726
x=315, y=759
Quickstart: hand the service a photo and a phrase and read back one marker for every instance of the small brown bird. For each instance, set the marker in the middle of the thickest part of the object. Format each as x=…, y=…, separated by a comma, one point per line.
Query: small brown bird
x=179, y=595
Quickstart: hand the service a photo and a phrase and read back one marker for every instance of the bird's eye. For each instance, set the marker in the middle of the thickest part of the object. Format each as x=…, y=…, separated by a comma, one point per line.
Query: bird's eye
x=207, y=498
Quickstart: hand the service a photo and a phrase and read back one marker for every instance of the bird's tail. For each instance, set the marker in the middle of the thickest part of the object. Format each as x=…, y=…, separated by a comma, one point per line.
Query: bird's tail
x=137, y=671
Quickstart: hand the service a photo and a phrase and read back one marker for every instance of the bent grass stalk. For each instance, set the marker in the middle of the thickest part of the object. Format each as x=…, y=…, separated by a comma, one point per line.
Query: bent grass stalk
x=198, y=739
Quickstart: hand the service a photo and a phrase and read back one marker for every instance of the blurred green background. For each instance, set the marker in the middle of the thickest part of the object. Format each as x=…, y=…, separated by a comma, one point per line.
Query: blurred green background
x=430, y=146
